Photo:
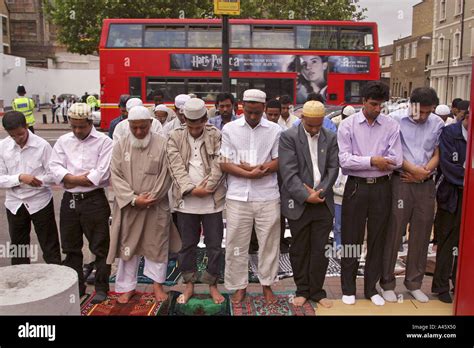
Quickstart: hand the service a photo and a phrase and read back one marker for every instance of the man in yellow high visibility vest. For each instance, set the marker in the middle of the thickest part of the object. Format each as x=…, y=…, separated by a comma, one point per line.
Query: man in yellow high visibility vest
x=26, y=106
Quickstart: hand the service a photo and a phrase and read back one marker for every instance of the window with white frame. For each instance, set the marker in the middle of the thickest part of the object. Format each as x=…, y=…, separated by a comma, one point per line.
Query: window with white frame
x=458, y=9
x=398, y=54
x=406, y=51
x=440, y=55
x=414, y=46
x=457, y=45
x=442, y=10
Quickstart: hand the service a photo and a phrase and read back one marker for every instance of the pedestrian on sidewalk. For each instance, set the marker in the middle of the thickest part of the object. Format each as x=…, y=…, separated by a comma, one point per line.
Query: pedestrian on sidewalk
x=54, y=109
x=26, y=106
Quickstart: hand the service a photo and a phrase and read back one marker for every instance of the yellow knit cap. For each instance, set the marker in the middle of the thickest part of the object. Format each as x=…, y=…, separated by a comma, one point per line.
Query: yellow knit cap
x=313, y=108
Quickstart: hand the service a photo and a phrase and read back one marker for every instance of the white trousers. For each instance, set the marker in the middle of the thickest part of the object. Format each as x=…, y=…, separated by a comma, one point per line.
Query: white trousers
x=241, y=217
x=126, y=279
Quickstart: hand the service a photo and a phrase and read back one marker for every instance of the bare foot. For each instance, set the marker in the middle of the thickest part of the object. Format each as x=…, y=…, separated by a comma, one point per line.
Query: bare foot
x=187, y=294
x=215, y=294
x=324, y=302
x=125, y=297
x=270, y=297
x=239, y=296
x=299, y=301
x=160, y=294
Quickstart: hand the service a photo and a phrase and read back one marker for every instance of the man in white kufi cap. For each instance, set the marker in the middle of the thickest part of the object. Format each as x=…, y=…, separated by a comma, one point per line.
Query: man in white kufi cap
x=163, y=114
x=123, y=128
x=250, y=158
x=141, y=219
x=199, y=195
x=179, y=121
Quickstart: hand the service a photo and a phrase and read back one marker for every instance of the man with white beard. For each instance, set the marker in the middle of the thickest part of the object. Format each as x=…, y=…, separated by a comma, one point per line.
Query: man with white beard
x=123, y=129
x=141, y=218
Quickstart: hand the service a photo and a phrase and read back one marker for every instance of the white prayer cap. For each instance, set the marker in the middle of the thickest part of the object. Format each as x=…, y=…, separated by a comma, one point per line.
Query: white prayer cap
x=80, y=111
x=139, y=112
x=442, y=110
x=254, y=95
x=162, y=107
x=180, y=100
x=195, y=108
x=133, y=102
x=348, y=110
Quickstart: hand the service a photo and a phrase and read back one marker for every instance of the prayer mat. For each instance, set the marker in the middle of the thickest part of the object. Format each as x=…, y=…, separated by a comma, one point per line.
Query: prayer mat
x=254, y=305
x=172, y=274
x=198, y=305
x=334, y=268
x=141, y=304
x=284, y=267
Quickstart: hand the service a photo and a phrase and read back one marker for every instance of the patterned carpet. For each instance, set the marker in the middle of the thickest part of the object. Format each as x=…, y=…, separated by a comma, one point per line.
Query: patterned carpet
x=254, y=305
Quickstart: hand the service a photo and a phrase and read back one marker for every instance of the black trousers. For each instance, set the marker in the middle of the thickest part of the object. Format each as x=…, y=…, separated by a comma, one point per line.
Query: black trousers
x=363, y=205
x=19, y=228
x=54, y=115
x=190, y=231
x=310, y=236
x=448, y=240
x=89, y=217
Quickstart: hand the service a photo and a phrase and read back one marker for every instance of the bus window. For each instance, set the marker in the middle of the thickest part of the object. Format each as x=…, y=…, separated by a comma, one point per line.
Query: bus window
x=272, y=87
x=316, y=37
x=240, y=36
x=125, y=35
x=352, y=90
x=165, y=36
x=205, y=89
x=356, y=39
x=273, y=37
x=135, y=87
x=199, y=36
x=170, y=87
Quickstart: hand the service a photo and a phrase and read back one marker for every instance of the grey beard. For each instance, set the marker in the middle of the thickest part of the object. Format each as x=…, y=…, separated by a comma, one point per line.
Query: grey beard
x=140, y=143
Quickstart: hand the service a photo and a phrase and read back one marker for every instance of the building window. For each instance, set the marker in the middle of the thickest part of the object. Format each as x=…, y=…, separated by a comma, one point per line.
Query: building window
x=389, y=61
x=383, y=61
x=457, y=45
x=440, y=49
x=4, y=26
x=458, y=9
x=406, y=51
x=442, y=10
x=414, y=46
x=398, y=53
x=427, y=61
x=24, y=30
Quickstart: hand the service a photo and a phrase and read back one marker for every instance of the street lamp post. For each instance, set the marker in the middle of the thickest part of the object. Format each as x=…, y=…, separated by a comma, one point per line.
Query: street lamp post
x=447, y=71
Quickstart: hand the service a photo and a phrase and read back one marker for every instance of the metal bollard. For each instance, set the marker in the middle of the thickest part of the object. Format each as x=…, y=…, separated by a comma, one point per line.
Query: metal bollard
x=45, y=121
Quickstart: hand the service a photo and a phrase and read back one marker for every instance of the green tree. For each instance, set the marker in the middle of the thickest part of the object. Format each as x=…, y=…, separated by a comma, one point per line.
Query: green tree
x=79, y=22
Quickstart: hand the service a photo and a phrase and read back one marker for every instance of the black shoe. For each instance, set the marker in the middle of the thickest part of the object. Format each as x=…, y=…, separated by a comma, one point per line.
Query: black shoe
x=445, y=297
x=99, y=297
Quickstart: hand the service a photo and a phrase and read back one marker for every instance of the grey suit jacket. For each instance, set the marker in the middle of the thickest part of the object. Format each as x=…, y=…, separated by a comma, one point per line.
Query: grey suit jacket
x=296, y=168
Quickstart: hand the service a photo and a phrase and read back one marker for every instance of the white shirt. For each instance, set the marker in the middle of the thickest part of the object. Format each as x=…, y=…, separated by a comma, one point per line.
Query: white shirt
x=192, y=204
x=76, y=157
x=256, y=146
x=313, y=150
x=32, y=159
x=170, y=126
x=123, y=129
x=288, y=123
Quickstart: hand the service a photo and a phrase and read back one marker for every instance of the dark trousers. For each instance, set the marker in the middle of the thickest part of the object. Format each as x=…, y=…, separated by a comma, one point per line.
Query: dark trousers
x=19, y=227
x=284, y=242
x=448, y=241
x=310, y=235
x=190, y=231
x=89, y=217
x=363, y=204
x=54, y=115
x=412, y=204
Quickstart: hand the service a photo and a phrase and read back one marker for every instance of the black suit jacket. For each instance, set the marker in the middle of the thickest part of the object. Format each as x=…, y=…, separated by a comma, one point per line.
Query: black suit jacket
x=296, y=168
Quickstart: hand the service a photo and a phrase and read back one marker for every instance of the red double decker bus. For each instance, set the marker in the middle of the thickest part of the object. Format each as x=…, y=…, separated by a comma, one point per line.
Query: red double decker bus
x=295, y=57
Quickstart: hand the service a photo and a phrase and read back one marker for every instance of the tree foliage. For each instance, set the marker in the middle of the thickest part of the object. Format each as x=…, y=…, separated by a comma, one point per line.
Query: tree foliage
x=79, y=22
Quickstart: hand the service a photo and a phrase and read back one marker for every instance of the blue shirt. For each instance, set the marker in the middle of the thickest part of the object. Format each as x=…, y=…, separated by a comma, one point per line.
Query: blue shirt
x=327, y=123
x=419, y=140
x=217, y=121
x=114, y=124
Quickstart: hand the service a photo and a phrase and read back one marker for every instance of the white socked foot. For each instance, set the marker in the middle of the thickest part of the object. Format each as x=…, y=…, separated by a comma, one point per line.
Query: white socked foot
x=389, y=296
x=419, y=296
x=377, y=300
x=349, y=300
